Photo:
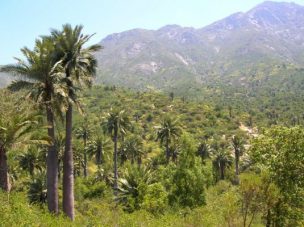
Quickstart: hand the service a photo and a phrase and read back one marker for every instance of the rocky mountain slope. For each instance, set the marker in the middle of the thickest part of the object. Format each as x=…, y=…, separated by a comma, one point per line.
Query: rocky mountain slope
x=244, y=47
x=250, y=50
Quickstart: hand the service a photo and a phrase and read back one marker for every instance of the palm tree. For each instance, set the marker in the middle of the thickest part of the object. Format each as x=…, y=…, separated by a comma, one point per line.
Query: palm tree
x=46, y=87
x=221, y=158
x=203, y=151
x=97, y=146
x=78, y=159
x=117, y=123
x=31, y=160
x=133, y=149
x=37, y=188
x=238, y=146
x=83, y=132
x=79, y=65
x=15, y=131
x=167, y=132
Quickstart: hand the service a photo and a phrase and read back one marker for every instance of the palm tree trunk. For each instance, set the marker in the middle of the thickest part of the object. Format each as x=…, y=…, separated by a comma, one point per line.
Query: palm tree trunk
x=139, y=161
x=4, y=178
x=59, y=172
x=222, y=169
x=237, y=157
x=115, y=164
x=237, y=166
x=98, y=154
x=85, y=169
x=52, y=166
x=268, y=218
x=167, y=151
x=68, y=176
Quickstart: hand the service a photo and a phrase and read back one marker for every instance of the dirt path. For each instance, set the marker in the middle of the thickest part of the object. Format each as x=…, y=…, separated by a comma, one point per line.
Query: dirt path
x=253, y=132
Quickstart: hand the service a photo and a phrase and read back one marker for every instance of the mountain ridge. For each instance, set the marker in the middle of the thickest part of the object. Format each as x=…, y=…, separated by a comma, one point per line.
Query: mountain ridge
x=236, y=50
x=226, y=51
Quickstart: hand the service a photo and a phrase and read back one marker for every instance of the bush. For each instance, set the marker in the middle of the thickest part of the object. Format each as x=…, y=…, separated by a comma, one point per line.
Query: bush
x=155, y=199
x=88, y=188
x=188, y=180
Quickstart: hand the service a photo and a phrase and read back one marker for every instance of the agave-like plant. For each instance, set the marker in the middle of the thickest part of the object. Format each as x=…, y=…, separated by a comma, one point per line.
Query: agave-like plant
x=37, y=192
x=129, y=186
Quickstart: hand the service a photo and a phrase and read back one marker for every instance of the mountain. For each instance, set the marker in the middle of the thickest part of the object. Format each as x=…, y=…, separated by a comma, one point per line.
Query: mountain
x=239, y=50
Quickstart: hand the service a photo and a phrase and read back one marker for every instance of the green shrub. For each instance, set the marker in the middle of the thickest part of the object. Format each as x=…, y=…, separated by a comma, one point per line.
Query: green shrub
x=155, y=199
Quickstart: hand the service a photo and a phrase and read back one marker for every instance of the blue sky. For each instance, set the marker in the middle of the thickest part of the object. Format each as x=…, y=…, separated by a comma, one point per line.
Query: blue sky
x=22, y=21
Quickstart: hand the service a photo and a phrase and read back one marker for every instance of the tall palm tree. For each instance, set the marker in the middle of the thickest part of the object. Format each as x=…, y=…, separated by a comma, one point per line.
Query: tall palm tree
x=45, y=83
x=168, y=132
x=117, y=123
x=83, y=132
x=79, y=65
x=238, y=146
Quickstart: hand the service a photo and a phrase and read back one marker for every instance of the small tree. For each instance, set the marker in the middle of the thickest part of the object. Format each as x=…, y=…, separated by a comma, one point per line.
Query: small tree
x=188, y=180
x=281, y=151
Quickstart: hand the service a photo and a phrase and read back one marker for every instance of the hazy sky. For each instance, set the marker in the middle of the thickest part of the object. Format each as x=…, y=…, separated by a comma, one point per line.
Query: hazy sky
x=21, y=21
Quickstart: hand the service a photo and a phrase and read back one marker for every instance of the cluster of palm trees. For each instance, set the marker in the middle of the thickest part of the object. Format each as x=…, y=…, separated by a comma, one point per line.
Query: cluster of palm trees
x=53, y=72
x=170, y=130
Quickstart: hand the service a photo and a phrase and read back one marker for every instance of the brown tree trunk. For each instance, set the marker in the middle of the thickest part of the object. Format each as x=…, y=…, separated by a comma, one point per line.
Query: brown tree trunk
x=68, y=176
x=4, y=178
x=115, y=164
x=52, y=166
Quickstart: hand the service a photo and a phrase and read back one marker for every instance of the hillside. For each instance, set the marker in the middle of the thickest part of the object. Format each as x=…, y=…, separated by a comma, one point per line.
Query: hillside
x=235, y=51
x=187, y=127
x=151, y=182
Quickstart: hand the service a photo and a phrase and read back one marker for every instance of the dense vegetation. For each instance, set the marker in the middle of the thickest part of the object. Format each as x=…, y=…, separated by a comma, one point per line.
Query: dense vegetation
x=133, y=158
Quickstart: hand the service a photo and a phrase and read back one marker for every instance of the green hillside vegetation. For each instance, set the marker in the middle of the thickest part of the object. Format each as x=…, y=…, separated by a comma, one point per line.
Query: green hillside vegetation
x=152, y=192
x=119, y=157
